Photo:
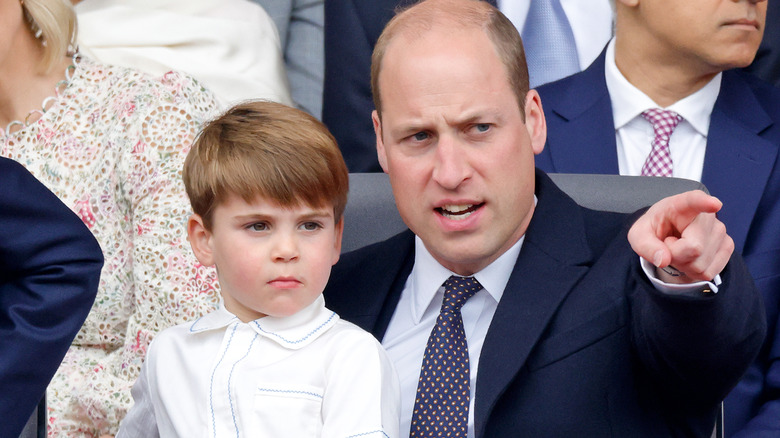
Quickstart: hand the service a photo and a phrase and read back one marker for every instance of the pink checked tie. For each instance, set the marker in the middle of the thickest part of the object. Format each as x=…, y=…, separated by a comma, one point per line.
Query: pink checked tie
x=441, y=408
x=659, y=161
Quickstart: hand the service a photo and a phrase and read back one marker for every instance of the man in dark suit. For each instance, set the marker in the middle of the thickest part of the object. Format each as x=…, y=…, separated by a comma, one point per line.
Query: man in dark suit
x=681, y=56
x=569, y=333
x=49, y=271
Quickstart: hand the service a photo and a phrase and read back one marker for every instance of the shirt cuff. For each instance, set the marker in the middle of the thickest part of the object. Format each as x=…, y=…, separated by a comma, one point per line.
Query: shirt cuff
x=671, y=288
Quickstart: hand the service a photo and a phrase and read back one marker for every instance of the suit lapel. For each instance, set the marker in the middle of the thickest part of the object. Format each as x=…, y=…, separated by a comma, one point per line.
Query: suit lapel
x=550, y=263
x=580, y=118
x=365, y=292
x=738, y=161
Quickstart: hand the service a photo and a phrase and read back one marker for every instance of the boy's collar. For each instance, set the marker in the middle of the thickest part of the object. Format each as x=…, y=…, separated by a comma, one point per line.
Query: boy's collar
x=293, y=332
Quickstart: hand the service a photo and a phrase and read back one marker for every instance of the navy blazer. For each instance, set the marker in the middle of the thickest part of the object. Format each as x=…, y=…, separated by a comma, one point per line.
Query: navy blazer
x=581, y=344
x=49, y=270
x=740, y=167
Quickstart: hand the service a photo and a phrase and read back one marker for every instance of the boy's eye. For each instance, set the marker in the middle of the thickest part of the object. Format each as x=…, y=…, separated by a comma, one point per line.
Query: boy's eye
x=311, y=226
x=258, y=226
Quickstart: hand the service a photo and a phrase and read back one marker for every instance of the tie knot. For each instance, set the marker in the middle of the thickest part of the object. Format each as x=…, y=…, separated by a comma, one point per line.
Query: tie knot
x=663, y=121
x=457, y=290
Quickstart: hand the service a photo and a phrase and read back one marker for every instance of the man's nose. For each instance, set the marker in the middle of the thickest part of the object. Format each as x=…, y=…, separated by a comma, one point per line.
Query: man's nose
x=452, y=166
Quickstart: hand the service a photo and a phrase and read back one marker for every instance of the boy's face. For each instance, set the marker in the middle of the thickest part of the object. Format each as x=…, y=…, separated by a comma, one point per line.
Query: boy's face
x=270, y=260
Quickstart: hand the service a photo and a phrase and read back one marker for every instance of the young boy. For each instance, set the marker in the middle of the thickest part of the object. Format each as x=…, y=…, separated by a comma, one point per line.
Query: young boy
x=268, y=187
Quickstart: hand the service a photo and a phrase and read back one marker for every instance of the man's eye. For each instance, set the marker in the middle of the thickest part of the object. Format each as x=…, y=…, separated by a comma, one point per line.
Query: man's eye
x=482, y=127
x=420, y=136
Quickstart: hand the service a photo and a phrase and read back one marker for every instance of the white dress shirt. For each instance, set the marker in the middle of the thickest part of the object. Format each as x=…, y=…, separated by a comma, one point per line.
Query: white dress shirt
x=590, y=21
x=688, y=142
x=307, y=375
x=416, y=313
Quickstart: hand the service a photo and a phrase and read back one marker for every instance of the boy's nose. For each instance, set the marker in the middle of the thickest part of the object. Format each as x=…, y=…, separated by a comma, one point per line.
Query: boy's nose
x=285, y=248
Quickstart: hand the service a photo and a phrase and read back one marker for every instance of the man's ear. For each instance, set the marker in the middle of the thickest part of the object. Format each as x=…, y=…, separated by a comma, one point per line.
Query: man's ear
x=339, y=235
x=381, y=153
x=535, y=122
x=200, y=240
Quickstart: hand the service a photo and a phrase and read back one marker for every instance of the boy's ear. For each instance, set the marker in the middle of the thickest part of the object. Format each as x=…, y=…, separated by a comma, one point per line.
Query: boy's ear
x=200, y=240
x=339, y=235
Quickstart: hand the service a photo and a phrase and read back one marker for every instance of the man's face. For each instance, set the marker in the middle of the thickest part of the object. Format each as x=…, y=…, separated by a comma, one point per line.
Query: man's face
x=453, y=141
x=713, y=35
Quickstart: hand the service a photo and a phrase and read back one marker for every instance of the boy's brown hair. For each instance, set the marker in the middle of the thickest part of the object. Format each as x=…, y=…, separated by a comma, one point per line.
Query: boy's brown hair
x=267, y=149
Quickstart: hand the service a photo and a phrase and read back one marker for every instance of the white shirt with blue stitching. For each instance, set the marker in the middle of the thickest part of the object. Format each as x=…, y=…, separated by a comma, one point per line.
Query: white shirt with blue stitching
x=307, y=375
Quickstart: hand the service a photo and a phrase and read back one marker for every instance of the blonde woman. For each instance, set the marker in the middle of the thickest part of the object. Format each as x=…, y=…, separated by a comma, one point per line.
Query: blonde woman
x=110, y=142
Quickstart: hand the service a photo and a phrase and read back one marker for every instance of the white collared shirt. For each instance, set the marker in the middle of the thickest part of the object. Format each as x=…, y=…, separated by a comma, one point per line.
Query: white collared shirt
x=416, y=313
x=590, y=21
x=307, y=375
x=688, y=142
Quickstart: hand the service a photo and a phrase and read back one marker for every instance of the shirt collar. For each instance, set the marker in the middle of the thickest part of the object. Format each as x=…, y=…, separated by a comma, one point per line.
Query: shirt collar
x=293, y=332
x=628, y=102
x=428, y=276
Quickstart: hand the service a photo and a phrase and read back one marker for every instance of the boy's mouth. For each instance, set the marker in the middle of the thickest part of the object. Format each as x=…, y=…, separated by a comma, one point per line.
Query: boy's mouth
x=285, y=282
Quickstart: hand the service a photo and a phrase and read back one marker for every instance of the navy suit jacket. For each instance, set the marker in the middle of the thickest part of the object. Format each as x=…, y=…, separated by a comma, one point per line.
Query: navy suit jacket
x=49, y=271
x=581, y=344
x=740, y=167
x=351, y=30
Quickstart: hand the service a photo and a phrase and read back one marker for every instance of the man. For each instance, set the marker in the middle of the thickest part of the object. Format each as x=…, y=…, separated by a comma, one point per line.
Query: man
x=566, y=334
x=679, y=56
x=352, y=29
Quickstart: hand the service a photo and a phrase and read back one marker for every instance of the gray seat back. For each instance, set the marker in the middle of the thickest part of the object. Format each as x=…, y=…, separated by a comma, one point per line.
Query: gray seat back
x=371, y=215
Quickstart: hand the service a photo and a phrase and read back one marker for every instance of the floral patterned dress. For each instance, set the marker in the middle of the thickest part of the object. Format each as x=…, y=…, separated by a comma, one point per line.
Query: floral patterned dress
x=112, y=148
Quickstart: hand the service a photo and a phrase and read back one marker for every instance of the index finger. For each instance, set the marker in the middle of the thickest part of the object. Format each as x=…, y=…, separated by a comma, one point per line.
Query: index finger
x=668, y=217
x=683, y=208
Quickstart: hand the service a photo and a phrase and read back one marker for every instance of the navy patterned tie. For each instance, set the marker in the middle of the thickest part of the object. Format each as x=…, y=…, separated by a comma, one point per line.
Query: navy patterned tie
x=442, y=404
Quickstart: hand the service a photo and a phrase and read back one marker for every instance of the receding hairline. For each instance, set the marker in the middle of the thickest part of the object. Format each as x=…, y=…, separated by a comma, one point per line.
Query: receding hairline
x=415, y=21
x=421, y=17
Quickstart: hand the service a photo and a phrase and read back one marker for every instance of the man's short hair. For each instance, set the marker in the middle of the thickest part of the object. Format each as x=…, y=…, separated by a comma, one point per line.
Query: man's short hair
x=418, y=19
x=267, y=149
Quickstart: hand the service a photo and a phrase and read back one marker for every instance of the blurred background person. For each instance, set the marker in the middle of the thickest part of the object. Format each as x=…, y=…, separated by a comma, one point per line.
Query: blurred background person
x=231, y=46
x=110, y=143
x=301, y=32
